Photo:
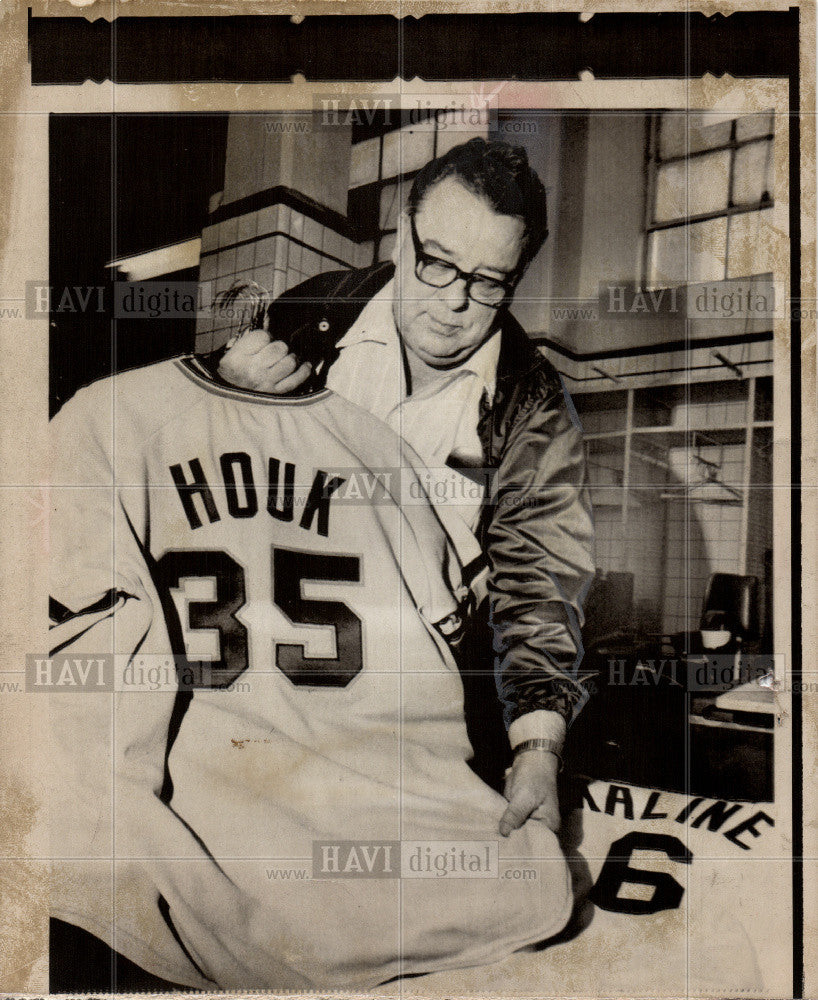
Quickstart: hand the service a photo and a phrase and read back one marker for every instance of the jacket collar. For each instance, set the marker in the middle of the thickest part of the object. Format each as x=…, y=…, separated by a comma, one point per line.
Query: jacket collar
x=518, y=356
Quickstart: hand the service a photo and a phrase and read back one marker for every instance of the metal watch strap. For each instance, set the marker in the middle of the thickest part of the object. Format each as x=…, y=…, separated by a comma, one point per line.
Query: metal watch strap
x=549, y=746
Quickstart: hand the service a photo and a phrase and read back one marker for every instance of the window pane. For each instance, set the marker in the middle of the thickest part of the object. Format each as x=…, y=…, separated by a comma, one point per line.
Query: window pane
x=753, y=173
x=672, y=137
x=386, y=247
x=364, y=162
x=671, y=183
x=407, y=149
x=751, y=126
x=751, y=244
x=682, y=133
x=393, y=198
x=390, y=199
x=688, y=254
x=707, y=250
x=692, y=187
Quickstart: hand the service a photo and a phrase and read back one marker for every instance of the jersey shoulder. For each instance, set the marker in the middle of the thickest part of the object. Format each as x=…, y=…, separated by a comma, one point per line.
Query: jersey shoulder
x=368, y=437
x=137, y=402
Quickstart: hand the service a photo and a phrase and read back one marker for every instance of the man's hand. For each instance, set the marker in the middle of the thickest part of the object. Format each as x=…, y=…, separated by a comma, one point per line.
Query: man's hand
x=256, y=362
x=531, y=790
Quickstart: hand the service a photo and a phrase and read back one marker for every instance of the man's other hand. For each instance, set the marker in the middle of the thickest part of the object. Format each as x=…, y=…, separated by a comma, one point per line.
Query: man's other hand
x=255, y=362
x=531, y=790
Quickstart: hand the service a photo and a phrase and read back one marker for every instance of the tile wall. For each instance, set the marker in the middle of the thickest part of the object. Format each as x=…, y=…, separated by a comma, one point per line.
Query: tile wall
x=277, y=247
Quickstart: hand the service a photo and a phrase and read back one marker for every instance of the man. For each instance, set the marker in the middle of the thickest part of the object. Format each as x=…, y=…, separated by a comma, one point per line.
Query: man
x=428, y=344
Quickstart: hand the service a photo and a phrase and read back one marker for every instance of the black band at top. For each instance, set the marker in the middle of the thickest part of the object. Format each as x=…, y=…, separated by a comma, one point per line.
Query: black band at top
x=444, y=47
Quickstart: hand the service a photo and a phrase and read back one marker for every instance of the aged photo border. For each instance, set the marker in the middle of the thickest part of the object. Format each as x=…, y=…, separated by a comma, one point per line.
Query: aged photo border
x=81, y=60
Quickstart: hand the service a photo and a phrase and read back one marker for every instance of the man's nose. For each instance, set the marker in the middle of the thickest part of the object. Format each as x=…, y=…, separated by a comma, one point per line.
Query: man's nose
x=456, y=295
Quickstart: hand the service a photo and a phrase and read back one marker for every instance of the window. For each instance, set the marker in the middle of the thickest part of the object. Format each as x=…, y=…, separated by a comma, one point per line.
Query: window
x=710, y=197
x=385, y=164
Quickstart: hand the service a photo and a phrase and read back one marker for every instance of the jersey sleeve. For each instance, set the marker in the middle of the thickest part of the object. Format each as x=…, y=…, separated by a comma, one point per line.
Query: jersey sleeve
x=91, y=559
x=127, y=868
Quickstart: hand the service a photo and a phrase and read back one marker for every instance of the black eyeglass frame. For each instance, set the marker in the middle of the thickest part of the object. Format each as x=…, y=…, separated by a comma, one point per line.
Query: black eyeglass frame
x=422, y=259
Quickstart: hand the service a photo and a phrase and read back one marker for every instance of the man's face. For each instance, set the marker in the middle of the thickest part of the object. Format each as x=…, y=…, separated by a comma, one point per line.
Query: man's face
x=443, y=326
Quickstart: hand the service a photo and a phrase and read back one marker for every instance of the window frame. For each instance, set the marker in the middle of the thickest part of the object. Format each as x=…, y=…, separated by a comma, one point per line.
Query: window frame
x=654, y=161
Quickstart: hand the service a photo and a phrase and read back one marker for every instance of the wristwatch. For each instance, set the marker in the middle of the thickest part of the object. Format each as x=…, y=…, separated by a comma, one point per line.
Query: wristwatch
x=548, y=746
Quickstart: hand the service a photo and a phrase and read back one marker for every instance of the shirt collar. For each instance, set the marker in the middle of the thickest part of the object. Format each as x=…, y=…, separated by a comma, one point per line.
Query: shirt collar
x=376, y=325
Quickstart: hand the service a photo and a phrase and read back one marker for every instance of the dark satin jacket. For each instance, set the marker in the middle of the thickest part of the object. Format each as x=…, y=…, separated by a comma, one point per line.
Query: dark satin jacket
x=536, y=531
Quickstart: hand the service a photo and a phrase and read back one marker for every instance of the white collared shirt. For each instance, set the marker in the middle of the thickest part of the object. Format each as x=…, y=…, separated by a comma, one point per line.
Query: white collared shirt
x=439, y=420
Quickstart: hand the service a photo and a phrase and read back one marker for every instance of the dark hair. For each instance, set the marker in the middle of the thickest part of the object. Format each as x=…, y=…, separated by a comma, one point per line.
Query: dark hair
x=501, y=174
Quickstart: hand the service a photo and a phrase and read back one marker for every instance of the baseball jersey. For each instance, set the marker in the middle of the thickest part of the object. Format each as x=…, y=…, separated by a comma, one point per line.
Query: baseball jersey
x=275, y=793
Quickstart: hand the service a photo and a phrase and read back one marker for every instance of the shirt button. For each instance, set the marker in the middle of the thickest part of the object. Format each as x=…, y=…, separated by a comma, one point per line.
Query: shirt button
x=323, y=326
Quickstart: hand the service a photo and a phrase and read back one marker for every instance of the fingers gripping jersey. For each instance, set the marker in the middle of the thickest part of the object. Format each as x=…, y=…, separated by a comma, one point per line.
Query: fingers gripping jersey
x=277, y=559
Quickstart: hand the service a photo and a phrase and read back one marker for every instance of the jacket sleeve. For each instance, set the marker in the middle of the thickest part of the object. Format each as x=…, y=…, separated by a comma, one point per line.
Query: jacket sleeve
x=539, y=544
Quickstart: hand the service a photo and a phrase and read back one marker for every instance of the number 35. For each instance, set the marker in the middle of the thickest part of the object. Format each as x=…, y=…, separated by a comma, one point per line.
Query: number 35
x=290, y=569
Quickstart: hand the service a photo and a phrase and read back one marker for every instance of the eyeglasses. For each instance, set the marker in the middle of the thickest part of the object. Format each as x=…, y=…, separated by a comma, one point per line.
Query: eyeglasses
x=441, y=273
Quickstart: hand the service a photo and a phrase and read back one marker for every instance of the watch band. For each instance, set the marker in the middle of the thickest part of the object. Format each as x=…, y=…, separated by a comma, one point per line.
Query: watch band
x=548, y=746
